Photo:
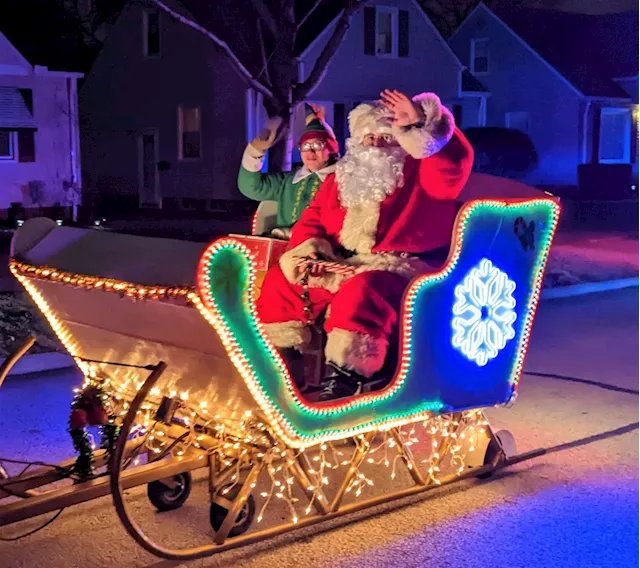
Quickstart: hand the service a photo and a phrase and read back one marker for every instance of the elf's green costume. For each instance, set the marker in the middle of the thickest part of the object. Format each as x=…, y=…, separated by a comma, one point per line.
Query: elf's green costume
x=292, y=190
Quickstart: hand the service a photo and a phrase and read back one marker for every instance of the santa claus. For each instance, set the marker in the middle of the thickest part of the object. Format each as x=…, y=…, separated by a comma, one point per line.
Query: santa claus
x=388, y=210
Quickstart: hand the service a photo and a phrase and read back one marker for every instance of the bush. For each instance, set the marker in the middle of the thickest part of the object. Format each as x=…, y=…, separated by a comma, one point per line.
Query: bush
x=502, y=151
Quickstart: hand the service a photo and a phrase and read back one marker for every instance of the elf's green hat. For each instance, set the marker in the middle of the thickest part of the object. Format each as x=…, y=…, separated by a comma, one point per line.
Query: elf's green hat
x=317, y=128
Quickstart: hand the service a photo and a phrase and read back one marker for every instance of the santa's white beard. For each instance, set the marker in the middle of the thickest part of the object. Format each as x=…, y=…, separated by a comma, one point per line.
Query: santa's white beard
x=368, y=174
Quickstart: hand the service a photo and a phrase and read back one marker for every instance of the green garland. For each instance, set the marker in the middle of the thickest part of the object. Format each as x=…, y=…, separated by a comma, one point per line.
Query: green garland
x=108, y=436
x=87, y=409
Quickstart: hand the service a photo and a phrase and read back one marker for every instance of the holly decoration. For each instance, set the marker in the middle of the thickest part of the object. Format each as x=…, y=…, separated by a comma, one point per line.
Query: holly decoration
x=88, y=409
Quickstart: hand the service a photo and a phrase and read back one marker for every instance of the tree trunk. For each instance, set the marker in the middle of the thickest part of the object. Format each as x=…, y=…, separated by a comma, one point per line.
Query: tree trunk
x=283, y=71
x=280, y=154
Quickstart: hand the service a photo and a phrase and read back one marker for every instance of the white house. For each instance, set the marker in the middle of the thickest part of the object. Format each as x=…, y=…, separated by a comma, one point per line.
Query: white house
x=39, y=135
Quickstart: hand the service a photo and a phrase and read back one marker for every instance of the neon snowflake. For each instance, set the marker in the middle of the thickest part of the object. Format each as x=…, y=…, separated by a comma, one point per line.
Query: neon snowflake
x=483, y=314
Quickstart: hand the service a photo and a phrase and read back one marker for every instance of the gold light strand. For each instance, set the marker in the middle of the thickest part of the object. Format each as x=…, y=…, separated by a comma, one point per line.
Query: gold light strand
x=128, y=289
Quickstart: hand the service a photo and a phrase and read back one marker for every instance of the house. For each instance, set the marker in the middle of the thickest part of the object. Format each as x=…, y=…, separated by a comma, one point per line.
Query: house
x=165, y=117
x=568, y=80
x=39, y=135
x=390, y=44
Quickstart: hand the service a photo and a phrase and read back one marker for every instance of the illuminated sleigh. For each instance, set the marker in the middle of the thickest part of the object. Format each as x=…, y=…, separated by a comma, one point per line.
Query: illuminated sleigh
x=222, y=398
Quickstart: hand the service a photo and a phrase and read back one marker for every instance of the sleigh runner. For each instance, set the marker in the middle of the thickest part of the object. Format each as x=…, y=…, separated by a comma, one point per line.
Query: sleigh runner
x=222, y=398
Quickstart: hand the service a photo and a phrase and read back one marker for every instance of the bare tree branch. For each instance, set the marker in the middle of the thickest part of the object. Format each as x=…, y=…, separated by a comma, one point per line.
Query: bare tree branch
x=263, y=53
x=221, y=45
x=306, y=16
x=266, y=15
x=303, y=90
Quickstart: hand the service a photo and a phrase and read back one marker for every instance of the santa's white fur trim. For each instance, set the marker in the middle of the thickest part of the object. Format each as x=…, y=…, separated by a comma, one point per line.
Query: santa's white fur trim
x=288, y=333
x=367, y=118
x=407, y=266
x=252, y=159
x=329, y=281
x=360, y=227
x=355, y=351
x=437, y=130
x=288, y=264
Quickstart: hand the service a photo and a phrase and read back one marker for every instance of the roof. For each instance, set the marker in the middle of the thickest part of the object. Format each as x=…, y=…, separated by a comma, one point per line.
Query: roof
x=588, y=50
x=14, y=112
x=470, y=83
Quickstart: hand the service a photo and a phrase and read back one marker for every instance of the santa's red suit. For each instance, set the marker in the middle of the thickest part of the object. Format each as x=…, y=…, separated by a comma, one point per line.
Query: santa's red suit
x=377, y=217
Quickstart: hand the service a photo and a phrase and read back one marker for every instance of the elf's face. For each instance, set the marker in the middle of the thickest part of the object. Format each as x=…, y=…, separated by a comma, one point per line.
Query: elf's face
x=315, y=154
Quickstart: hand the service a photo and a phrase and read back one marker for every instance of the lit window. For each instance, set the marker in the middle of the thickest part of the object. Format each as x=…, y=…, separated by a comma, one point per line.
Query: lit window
x=7, y=145
x=479, y=56
x=151, y=33
x=189, y=133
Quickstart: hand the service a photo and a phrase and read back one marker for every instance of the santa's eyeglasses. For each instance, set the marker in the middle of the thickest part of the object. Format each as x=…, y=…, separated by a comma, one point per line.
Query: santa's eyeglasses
x=316, y=146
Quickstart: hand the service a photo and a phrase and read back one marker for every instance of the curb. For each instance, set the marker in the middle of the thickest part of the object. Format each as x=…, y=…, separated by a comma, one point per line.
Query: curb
x=588, y=288
x=40, y=362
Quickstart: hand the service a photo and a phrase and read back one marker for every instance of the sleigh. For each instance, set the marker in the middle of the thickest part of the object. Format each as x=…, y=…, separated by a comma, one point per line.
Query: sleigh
x=168, y=332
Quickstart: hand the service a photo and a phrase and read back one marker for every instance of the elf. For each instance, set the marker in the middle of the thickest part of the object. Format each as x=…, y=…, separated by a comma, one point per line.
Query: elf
x=292, y=190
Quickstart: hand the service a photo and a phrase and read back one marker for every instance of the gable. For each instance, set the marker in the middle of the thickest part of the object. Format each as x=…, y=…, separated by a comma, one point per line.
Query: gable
x=317, y=30
x=584, y=51
x=11, y=60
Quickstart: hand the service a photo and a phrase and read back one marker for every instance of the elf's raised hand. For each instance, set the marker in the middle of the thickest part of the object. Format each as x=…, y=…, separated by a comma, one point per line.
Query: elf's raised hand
x=268, y=135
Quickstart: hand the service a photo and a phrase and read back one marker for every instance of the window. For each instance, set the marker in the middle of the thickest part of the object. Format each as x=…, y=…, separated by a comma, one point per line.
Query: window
x=17, y=146
x=386, y=32
x=151, y=33
x=479, y=56
x=8, y=145
x=189, y=133
x=615, y=136
x=385, y=36
x=517, y=121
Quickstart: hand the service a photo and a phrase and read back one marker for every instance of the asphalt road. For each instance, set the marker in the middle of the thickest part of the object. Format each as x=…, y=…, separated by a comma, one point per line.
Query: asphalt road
x=577, y=506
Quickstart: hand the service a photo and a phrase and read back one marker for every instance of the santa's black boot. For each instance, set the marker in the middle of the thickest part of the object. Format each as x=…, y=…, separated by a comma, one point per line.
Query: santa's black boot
x=294, y=360
x=339, y=383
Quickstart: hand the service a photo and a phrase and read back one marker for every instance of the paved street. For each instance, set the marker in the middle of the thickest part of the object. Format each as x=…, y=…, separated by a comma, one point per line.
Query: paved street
x=575, y=507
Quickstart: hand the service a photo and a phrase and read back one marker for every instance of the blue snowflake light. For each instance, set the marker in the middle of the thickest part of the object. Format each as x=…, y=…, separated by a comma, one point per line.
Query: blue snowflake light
x=483, y=313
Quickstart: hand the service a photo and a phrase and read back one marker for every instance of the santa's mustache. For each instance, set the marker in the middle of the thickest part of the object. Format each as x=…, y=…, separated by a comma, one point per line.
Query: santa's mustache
x=368, y=174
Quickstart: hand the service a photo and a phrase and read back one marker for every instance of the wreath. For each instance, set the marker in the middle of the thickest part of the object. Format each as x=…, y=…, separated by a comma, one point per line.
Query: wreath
x=87, y=409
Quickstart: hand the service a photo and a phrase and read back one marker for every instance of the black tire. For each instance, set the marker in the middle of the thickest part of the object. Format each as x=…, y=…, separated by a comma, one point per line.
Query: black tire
x=166, y=498
x=217, y=513
x=493, y=449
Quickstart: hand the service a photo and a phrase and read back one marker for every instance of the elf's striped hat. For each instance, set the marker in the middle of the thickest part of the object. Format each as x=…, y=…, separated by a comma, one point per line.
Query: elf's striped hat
x=317, y=128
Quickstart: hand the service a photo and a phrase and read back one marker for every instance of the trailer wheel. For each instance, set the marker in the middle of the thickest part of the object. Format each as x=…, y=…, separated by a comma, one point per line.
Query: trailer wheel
x=507, y=445
x=170, y=494
x=218, y=512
